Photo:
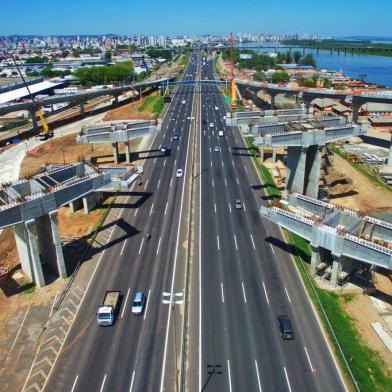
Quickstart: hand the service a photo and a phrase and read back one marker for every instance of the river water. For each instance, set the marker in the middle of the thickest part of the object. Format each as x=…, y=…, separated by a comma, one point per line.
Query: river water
x=378, y=69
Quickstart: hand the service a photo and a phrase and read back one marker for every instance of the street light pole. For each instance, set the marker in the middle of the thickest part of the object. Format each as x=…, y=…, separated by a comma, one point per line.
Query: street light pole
x=172, y=301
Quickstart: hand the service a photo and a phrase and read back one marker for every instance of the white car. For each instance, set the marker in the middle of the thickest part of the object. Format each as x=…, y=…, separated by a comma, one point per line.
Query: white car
x=138, y=304
x=211, y=125
x=216, y=149
x=179, y=173
x=183, y=101
x=216, y=108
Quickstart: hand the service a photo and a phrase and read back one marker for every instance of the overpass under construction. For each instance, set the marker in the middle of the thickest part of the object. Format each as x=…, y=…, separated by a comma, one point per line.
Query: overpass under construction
x=31, y=205
x=348, y=236
x=118, y=131
x=304, y=141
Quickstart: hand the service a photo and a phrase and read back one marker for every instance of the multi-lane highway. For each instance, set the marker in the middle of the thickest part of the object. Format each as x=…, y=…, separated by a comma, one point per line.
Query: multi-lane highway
x=243, y=281
x=133, y=354
x=239, y=280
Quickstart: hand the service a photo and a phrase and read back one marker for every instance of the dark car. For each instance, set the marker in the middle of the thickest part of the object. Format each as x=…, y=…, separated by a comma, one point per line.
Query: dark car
x=286, y=329
x=176, y=136
x=204, y=122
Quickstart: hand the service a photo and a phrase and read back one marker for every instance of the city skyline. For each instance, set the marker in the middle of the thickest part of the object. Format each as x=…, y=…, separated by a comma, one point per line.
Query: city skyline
x=41, y=17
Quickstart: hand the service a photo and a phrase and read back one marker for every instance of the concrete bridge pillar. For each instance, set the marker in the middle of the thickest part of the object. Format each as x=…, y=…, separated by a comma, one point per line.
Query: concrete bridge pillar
x=273, y=96
x=91, y=201
x=314, y=259
x=312, y=175
x=115, y=152
x=295, y=169
x=38, y=274
x=75, y=205
x=390, y=153
x=22, y=245
x=115, y=101
x=261, y=149
x=356, y=107
x=336, y=266
x=57, y=245
x=82, y=111
x=274, y=149
x=34, y=120
x=127, y=152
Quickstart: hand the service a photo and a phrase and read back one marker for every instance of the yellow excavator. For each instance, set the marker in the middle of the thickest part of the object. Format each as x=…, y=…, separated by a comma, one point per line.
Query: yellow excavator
x=46, y=133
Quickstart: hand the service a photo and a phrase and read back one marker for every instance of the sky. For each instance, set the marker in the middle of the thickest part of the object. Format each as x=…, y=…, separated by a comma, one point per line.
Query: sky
x=174, y=17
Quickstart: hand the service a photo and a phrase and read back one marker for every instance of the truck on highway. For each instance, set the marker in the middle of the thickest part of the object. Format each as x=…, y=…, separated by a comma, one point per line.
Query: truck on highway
x=107, y=311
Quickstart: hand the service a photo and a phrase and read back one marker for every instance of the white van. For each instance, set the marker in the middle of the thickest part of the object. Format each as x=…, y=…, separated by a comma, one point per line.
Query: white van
x=220, y=133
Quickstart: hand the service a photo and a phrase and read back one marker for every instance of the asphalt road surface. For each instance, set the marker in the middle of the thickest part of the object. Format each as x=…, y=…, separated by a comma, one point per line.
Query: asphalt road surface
x=132, y=354
x=242, y=275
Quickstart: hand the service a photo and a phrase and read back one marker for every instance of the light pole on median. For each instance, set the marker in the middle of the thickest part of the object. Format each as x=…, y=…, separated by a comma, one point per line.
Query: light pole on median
x=174, y=299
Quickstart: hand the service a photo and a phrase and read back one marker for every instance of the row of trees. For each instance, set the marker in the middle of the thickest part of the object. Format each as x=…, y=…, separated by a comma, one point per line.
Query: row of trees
x=118, y=73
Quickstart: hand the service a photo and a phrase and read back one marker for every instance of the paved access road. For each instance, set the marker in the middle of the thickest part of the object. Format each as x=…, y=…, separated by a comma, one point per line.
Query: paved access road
x=133, y=354
x=243, y=280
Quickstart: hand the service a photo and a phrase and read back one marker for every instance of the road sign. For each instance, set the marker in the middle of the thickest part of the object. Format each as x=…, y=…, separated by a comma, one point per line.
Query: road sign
x=227, y=99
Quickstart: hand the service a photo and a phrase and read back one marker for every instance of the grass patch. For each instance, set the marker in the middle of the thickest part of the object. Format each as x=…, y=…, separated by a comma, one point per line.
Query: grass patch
x=185, y=58
x=263, y=171
x=153, y=104
x=365, y=364
x=29, y=290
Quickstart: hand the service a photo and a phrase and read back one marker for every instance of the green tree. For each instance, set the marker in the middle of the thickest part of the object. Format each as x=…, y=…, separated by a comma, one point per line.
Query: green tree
x=280, y=77
x=362, y=76
x=327, y=83
x=297, y=56
x=108, y=55
x=36, y=59
x=308, y=60
x=289, y=57
x=259, y=76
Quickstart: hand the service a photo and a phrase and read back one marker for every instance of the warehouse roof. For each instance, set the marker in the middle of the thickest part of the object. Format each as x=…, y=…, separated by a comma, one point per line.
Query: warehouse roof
x=22, y=92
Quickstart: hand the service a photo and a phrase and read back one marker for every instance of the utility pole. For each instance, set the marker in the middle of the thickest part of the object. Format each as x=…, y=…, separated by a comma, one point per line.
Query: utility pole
x=171, y=300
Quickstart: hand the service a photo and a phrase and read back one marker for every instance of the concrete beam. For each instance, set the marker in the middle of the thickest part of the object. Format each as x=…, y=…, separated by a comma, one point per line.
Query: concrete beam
x=115, y=152
x=91, y=201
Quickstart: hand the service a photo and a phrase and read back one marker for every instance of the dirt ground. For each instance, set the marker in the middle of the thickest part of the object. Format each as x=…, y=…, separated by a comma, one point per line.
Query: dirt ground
x=364, y=313
x=369, y=197
x=128, y=112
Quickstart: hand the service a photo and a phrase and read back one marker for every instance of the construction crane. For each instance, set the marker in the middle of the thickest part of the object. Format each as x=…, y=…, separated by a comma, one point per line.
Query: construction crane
x=232, y=85
x=46, y=133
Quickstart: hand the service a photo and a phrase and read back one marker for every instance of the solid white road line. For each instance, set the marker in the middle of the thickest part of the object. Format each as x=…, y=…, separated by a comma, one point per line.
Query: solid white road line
x=217, y=240
x=258, y=376
x=213, y=183
x=287, y=293
x=228, y=372
x=145, y=185
x=148, y=300
x=243, y=291
x=132, y=380
x=211, y=163
x=244, y=206
x=265, y=292
x=237, y=181
x=159, y=183
x=159, y=244
x=125, y=303
x=253, y=243
x=18, y=333
x=164, y=162
x=310, y=363
x=166, y=207
x=287, y=378
x=223, y=296
x=171, y=182
x=230, y=207
x=225, y=182
x=272, y=248
x=141, y=245
x=103, y=383
x=74, y=384
x=152, y=206
x=232, y=162
x=235, y=241
x=215, y=208
x=122, y=248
